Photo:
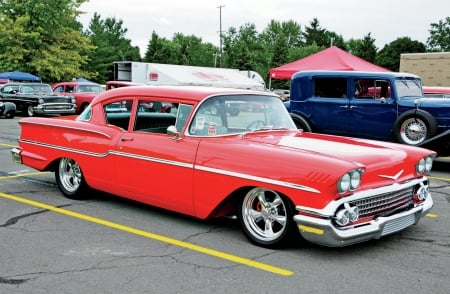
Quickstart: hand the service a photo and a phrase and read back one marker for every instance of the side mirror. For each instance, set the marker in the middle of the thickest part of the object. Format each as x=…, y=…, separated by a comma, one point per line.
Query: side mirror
x=173, y=132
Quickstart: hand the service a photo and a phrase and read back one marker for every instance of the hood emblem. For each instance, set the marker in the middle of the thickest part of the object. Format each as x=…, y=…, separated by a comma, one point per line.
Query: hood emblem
x=394, y=178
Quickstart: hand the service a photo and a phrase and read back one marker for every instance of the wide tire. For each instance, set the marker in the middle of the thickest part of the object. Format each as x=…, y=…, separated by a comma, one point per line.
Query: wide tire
x=414, y=127
x=70, y=180
x=266, y=218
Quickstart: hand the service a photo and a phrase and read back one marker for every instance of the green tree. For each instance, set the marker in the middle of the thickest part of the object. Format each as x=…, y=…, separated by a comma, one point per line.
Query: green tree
x=43, y=38
x=389, y=56
x=364, y=48
x=109, y=37
x=439, y=39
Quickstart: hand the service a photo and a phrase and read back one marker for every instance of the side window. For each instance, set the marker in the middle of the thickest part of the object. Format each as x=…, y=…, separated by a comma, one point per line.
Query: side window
x=118, y=113
x=154, y=116
x=182, y=115
x=59, y=89
x=330, y=87
x=372, y=89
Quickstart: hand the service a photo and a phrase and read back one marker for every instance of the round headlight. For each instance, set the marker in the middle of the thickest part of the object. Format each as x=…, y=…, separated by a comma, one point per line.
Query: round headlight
x=344, y=183
x=1, y=104
x=342, y=217
x=41, y=101
x=355, y=179
x=428, y=163
x=420, y=167
x=74, y=100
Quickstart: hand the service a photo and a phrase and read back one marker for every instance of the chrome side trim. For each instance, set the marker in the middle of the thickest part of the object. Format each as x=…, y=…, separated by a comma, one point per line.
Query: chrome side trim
x=256, y=178
x=179, y=164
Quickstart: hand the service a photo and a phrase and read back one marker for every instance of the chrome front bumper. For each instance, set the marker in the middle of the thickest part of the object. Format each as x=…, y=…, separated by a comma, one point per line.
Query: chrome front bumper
x=16, y=157
x=324, y=232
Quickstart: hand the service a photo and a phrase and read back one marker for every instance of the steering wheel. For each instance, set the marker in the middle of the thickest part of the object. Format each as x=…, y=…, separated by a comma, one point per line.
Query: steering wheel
x=254, y=125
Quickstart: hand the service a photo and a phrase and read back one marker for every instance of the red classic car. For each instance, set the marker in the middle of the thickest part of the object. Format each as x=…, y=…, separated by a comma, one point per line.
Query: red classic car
x=84, y=92
x=278, y=180
x=436, y=92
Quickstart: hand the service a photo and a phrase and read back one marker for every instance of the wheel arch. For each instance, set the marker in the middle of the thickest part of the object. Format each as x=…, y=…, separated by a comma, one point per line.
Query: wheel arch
x=428, y=119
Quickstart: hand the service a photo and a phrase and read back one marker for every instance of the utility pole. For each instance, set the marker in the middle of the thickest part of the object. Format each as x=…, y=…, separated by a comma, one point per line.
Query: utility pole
x=220, y=34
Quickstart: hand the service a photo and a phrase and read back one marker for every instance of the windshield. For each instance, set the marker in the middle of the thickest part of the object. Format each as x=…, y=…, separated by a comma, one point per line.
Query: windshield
x=42, y=89
x=233, y=114
x=408, y=87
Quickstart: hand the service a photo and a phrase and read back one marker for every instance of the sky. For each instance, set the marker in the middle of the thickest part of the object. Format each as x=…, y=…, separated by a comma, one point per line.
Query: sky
x=386, y=20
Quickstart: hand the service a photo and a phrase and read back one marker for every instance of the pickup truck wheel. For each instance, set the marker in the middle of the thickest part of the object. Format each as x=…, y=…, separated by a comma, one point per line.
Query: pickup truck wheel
x=414, y=127
x=70, y=180
x=301, y=123
x=266, y=217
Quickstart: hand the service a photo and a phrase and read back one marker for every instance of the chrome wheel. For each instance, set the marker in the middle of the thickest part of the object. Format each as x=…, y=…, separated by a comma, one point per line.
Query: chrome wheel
x=30, y=110
x=413, y=131
x=265, y=216
x=69, y=177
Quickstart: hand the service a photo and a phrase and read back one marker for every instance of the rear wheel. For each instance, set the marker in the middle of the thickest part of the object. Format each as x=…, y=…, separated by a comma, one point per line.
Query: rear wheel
x=70, y=180
x=266, y=217
x=10, y=114
x=301, y=123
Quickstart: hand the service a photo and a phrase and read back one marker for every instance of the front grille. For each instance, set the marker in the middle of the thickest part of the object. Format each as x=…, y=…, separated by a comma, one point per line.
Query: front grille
x=58, y=107
x=384, y=204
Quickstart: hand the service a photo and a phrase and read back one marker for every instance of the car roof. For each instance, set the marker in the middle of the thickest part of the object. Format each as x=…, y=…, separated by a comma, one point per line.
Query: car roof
x=194, y=93
x=362, y=74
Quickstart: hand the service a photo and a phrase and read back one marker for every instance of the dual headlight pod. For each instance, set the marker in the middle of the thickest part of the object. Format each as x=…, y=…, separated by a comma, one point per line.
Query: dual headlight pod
x=350, y=181
x=424, y=165
x=347, y=215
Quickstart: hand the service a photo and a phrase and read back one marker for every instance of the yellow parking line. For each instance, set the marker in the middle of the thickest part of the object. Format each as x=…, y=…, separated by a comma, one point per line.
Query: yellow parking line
x=440, y=179
x=168, y=240
x=22, y=175
x=8, y=145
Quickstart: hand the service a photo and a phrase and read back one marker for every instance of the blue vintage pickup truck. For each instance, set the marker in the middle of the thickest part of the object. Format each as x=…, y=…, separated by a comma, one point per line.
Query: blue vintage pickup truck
x=385, y=106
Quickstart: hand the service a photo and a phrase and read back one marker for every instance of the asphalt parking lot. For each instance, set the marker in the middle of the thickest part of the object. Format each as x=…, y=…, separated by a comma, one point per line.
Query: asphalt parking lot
x=51, y=244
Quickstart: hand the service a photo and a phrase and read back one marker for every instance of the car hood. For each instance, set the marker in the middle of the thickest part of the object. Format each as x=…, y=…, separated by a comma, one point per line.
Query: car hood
x=359, y=151
x=427, y=102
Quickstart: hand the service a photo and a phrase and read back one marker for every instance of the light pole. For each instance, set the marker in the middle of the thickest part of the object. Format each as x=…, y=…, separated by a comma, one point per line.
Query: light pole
x=220, y=34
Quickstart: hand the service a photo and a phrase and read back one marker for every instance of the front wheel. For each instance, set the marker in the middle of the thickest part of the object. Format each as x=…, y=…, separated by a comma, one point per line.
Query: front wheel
x=414, y=128
x=266, y=217
x=70, y=180
x=29, y=110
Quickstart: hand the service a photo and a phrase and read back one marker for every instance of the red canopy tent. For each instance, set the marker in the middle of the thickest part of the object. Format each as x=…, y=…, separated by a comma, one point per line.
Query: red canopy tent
x=332, y=58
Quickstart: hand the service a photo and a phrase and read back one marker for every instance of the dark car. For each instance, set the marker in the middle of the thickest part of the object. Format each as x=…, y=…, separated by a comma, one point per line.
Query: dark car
x=385, y=106
x=37, y=98
x=7, y=109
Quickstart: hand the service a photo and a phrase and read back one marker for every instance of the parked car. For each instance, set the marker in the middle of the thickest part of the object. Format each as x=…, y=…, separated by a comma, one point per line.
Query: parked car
x=384, y=106
x=119, y=84
x=436, y=92
x=36, y=98
x=278, y=180
x=283, y=94
x=84, y=92
x=7, y=109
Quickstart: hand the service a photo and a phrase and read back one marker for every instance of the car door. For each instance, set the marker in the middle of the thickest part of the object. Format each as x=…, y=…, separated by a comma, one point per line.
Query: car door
x=329, y=106
x=155, y=168
x=372, y=110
